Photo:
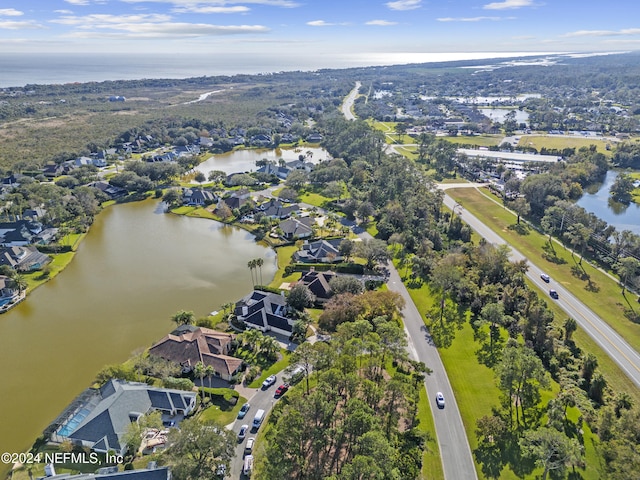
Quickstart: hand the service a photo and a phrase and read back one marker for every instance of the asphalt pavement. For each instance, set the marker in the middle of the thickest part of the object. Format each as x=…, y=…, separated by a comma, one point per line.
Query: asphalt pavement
x=606, y=337
x=455, y=453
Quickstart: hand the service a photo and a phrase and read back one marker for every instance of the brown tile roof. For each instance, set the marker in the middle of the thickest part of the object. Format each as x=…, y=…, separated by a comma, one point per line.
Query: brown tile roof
x=201, y=345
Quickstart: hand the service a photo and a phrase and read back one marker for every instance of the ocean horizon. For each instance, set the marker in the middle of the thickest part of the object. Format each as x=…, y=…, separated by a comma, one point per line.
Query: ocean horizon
x=20, y=69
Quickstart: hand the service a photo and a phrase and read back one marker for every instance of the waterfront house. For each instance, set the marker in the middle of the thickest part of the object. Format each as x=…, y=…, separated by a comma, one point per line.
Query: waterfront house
x=188, y=345
x=111, y=191
x=197, y=197
x=265, y=311
x=23, y=259
x=18, y=233
x=99, y=418
x=8, y=290
x=293, y=228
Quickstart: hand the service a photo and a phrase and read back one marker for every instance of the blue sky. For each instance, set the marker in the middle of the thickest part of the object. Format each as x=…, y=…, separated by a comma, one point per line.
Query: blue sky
x=391, y=31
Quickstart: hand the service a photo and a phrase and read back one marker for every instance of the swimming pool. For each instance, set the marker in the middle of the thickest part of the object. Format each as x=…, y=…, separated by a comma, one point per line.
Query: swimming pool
x=72, y=424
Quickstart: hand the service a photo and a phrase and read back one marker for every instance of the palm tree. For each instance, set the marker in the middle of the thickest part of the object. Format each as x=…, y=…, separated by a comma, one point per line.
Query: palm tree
x=259, y=263
x=209, y=371
x=199, y=371
x=252, y=337
x=252, y=265
x=183, y=318
x=269, y=346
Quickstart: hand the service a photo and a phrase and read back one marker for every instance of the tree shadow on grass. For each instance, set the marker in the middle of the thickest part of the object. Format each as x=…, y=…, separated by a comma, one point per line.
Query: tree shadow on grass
x=520, y=228
x=549, y=253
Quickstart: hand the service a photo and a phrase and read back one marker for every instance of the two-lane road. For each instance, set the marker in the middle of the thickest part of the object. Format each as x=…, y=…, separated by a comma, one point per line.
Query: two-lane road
x=455, y=453
x=608, y=339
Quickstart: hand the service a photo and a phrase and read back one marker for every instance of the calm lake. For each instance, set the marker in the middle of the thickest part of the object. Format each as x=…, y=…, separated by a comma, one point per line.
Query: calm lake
x=598, y=201
x=245, y=160
x=133, y=271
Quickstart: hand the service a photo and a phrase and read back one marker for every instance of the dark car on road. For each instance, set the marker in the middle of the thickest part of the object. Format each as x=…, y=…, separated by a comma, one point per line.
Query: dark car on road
x=553, y=294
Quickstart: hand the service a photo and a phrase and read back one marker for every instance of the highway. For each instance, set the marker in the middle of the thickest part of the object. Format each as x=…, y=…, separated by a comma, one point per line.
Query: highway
x=608, y=339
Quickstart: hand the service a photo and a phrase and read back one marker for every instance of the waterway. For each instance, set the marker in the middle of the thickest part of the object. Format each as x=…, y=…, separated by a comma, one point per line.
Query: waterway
x=598, y=201
x=132, y=272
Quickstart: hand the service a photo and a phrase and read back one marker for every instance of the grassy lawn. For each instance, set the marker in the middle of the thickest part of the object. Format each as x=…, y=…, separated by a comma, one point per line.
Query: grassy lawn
x=314, y=199
x=284, y=258
x=558, y=143
x=480, y=140
x=409, y=152
x=599, y=292
x=221, y=412
x=273, y=369
x=476, y=390
x=431, y=463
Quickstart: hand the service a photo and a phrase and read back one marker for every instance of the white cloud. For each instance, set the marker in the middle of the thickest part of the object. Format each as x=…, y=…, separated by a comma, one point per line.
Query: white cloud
x=78, y=2
x=603, y=33
x=100, y=20
x=63, y=12
x=404, y=4
x=508, y=4
x=322, y=23
x=381, y=23
x=10, y=12
x=19, y=25
x=167, y=30
x=473, y=19
x=210, y=9
x=218, y=3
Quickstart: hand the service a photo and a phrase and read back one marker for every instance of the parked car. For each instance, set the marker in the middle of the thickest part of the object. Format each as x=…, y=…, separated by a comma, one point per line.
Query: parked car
x=221, y=471
x=249, y=446
x=545, y=277
x=243, y=432
x=270, y=380
x=440, y=400
x=243, y=410
x=282, y=389
x=553, y=294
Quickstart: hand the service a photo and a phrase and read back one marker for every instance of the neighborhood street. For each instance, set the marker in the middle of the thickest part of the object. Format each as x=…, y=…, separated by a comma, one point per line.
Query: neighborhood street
x=610, y=341
x=261, y=399
x=455, y=452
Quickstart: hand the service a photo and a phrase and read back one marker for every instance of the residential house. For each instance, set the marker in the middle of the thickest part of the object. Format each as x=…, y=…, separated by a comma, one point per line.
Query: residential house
x=197, y=197
x=300, y=165
x=270, y=169
x=314, y=138
x=186, y=150
x=318, y=283
x=189, y=345
x=276, y=210
x=99, y=418
x=34, y=214
x=13, y=179
x=265, y=311
x=149, y=473
x=320, y=251
x=293, y=228
x=95, y=161
x=111, y=191
x=260, y=140
x=23, y=259
x=18, y=233
x=237, y=199
x=8, y=290
x=52, y=170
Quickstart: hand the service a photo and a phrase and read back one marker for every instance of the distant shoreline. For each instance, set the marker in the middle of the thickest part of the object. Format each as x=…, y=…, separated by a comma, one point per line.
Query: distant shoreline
x=20, y=69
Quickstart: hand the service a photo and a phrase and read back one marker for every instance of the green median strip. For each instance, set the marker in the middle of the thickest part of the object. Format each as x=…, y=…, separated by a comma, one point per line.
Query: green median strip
x=605, y=302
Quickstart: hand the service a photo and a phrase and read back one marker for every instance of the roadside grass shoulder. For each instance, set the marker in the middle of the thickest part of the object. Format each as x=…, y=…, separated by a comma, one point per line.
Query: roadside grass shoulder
x=558, y=143
x=480, y=141
x=431, y=463
x=598, y=291
x=273, y=369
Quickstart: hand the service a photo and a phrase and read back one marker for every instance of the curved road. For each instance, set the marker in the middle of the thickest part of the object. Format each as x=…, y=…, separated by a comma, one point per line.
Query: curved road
x=455, y=453
x=608, y=339
x=348, y=102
